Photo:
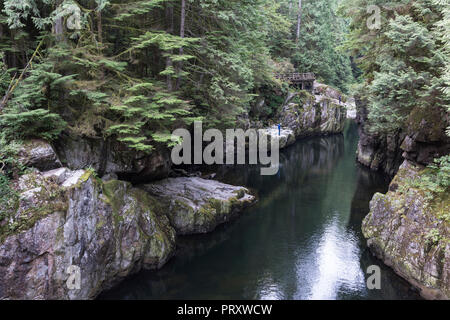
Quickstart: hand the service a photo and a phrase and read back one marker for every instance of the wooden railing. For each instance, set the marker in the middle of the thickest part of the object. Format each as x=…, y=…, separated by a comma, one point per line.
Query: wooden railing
x=294, y=77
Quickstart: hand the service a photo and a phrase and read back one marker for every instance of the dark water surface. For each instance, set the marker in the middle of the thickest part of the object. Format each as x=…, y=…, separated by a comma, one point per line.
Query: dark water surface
x=302, y=240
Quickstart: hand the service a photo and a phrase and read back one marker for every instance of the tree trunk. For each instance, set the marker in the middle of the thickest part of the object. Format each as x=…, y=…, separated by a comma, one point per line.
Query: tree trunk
x=170, y=28
x=182, y=23
x=299, y=20
x=58, y=27
x=99, y=26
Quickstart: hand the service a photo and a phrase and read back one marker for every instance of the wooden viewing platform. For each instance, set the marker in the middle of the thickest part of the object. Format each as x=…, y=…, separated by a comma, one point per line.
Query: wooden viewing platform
x=303, y=81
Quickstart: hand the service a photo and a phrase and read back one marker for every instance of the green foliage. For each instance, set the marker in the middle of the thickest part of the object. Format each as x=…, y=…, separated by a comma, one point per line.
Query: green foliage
x=404, y=62
x=433, y=236
x=4, y=76
x=435, y=180
x=9, y=163
x=28, y=113
x=131, y=73
x=438, y=177
x=38, y=123
x=232, y=60
x=318, y=50
x=149, y=106
x=8, y=197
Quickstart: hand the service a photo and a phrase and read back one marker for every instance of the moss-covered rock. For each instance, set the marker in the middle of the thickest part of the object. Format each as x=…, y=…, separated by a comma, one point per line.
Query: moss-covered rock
x=109, y=230
x=409, y=231
x=196, y=205
x=307, y=115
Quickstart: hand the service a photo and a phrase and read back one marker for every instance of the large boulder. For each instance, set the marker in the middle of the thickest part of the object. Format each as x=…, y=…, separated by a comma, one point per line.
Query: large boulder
x=410, y=232
x=64, y=220
x=195, y=205
x=71, y=219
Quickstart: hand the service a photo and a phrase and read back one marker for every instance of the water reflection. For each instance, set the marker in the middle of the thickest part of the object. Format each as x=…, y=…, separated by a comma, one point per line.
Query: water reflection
x=332, y=266
x=302, y=240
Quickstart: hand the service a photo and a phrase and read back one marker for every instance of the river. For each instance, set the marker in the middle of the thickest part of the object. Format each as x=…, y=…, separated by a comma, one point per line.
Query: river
x=302, y=240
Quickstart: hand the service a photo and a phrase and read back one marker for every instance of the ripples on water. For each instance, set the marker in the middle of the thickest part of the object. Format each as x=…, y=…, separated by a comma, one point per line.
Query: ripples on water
x=302, y=240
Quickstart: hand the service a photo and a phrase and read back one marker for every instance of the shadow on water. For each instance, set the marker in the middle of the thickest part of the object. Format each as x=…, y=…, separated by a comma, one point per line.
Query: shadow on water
x=302, y=240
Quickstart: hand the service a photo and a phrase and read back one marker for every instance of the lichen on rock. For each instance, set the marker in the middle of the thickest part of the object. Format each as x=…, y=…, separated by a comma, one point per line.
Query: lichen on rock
x=108, y=230
x=406, y=230
x=307, y=115
x=196, y=205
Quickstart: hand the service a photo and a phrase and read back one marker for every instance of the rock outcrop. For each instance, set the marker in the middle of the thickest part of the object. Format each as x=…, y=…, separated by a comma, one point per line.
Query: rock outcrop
x=377, y=151
x=426, y=137
x=196, y=205
x=112, y=157
x=421, y=140
x=108, y=229
x=307, y=115
x=285, y=137
x=411, y=233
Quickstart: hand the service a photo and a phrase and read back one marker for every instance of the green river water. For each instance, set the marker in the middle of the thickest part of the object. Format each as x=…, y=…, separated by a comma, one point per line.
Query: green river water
x=302, y=240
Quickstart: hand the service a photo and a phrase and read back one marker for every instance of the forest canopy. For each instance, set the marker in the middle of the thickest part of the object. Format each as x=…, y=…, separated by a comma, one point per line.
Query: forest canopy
x=133, y=70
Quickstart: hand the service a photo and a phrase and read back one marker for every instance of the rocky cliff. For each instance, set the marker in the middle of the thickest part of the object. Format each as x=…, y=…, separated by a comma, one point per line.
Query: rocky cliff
x=305, y=115
x=409, y=229
x=106, y=228
x=377, y=151
x=421, y=140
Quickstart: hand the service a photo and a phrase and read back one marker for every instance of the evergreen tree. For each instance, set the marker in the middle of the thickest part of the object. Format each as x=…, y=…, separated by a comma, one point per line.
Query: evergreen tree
x=403, y=62
x=133, y=70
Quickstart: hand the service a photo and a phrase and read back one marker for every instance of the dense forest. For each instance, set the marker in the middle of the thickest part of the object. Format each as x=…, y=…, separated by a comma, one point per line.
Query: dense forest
x=135, y=70
x=406, y=71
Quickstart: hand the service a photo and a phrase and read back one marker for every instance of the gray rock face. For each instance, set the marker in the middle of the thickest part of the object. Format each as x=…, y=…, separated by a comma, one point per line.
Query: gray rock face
x=318, y=115
x=377, y=151
x=421, y=140
x=400, y=229
x=39, y=154
x=111, y=157
x=285, y=137
x=107, y=230
x=196, y=205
